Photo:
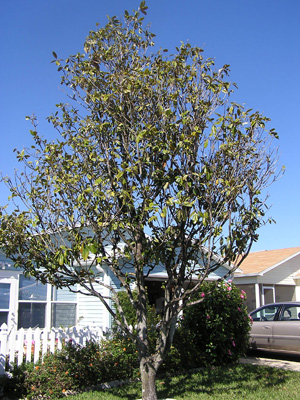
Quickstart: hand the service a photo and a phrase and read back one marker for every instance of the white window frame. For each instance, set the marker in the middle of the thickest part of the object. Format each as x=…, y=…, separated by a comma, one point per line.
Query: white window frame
x=13, y=301
x=48, y=302
x=263, y=288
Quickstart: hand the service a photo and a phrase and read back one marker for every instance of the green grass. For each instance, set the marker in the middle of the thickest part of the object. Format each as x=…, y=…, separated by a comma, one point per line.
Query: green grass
x=246, y=382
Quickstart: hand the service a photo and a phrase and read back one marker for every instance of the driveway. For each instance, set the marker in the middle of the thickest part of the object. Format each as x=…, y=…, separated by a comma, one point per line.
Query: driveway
x=270, y=362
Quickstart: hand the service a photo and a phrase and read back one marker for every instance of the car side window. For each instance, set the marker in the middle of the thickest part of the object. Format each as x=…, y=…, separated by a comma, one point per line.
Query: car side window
x=290, y=313
x=266, y=313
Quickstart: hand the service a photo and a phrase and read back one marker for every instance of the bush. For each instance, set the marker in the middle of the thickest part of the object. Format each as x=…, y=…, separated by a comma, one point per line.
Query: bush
x=12, y=385
x=71, y=369
x=130, y=315
x=215, y=331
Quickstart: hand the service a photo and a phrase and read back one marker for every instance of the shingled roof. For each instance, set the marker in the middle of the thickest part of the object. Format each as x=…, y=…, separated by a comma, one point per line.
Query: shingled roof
x=260, y=261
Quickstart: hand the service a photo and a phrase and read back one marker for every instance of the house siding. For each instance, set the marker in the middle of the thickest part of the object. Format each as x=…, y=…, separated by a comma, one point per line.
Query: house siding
x=90, y=310
x=285, y=293
x=283, y=274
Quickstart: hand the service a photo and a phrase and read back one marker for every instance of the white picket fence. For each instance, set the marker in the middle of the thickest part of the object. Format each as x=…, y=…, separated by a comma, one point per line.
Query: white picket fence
x=21, y=345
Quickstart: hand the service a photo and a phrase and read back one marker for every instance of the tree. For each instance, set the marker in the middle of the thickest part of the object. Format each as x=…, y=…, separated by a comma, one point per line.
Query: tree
x=153, y=165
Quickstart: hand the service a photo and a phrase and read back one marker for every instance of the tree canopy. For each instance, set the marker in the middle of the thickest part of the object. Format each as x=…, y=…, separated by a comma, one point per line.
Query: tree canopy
x=153, y=165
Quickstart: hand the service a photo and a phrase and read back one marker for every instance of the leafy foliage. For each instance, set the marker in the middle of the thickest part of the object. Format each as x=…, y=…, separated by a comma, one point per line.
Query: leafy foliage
x=150, y=144
x=72, y=369
x=153, y=320
x=216, y=331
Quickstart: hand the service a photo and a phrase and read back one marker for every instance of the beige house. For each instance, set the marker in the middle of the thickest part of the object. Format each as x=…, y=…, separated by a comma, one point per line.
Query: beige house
x=269, y=276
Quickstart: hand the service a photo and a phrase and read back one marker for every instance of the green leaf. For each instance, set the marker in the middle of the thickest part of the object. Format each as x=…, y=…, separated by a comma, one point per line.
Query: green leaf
x=143, y=7
x=93, y=248
x=85, y=251
x=164, y=212
x=61, y=259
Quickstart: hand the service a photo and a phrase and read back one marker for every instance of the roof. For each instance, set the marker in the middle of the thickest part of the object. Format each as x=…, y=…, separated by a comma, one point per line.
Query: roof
x=260, y=261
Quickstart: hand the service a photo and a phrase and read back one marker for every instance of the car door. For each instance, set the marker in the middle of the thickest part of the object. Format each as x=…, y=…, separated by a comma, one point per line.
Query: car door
x=286, y=330
x=261, y=335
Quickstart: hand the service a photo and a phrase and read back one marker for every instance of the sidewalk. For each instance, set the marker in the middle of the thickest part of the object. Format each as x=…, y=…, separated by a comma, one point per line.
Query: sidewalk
x=289, y=365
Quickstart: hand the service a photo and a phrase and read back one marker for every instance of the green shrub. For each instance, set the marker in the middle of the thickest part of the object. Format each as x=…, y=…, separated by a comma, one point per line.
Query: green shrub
x=215, y=331
x=130, y=315
x=65, y=370
x=12, y=384
x=73, y=368
x=128, y=310
x=120, y=359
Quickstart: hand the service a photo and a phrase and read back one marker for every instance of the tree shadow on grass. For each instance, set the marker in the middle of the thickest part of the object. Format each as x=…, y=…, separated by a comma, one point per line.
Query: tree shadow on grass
x=232, y=380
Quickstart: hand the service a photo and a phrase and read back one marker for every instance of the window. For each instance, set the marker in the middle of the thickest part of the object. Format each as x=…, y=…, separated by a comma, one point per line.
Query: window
x=44, y=306
x=290, y=313
x=32, y=303
x=4, y=302
x=63, y=308
x=265, y=313
x=31, y=315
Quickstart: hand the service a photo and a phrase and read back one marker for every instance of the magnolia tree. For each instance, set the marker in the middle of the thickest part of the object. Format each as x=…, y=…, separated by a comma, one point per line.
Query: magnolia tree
x=153, y=165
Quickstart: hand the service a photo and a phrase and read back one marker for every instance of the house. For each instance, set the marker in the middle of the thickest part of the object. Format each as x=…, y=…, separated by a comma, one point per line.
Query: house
x=27, y=303
x=269, y=276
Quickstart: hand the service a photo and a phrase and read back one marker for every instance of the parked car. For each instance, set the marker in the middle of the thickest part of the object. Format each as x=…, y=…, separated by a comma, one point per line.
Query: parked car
x=276, y=327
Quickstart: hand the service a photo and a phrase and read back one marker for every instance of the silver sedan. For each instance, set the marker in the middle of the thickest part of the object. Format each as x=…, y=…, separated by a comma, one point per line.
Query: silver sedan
x=276, y=327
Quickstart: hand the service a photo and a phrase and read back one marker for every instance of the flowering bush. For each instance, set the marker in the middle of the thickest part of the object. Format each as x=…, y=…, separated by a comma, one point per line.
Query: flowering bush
x=119, y=359
x=73, y=368
x=215, y=331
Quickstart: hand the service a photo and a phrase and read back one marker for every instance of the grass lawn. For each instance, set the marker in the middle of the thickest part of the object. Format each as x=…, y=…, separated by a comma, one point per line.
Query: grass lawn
x=227, y=383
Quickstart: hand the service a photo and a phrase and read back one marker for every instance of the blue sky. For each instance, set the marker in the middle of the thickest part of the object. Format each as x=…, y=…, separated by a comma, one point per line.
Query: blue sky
x=260, y=39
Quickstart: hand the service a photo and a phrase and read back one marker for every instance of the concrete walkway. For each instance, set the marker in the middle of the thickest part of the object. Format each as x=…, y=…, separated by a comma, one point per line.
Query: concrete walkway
x=284, y=364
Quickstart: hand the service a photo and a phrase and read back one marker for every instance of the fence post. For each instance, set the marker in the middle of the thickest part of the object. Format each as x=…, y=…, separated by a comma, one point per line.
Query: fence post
x=60, y=338
x=3, y=347
x=29, y=344
x=52, y=337
x=21, y=343
x=32, y=344
x=37, y=344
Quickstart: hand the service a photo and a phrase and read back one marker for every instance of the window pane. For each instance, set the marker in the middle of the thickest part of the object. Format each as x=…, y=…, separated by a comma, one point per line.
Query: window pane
x=63, y=315
x=30, y=289
x=4, y=295
x=3, y=317
x=290, y=313
x=31, y=315
x=63, y=295
x=265, y=314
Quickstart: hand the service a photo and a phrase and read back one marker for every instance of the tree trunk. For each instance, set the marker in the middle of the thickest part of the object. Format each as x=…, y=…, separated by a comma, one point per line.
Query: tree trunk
x=148, y=377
